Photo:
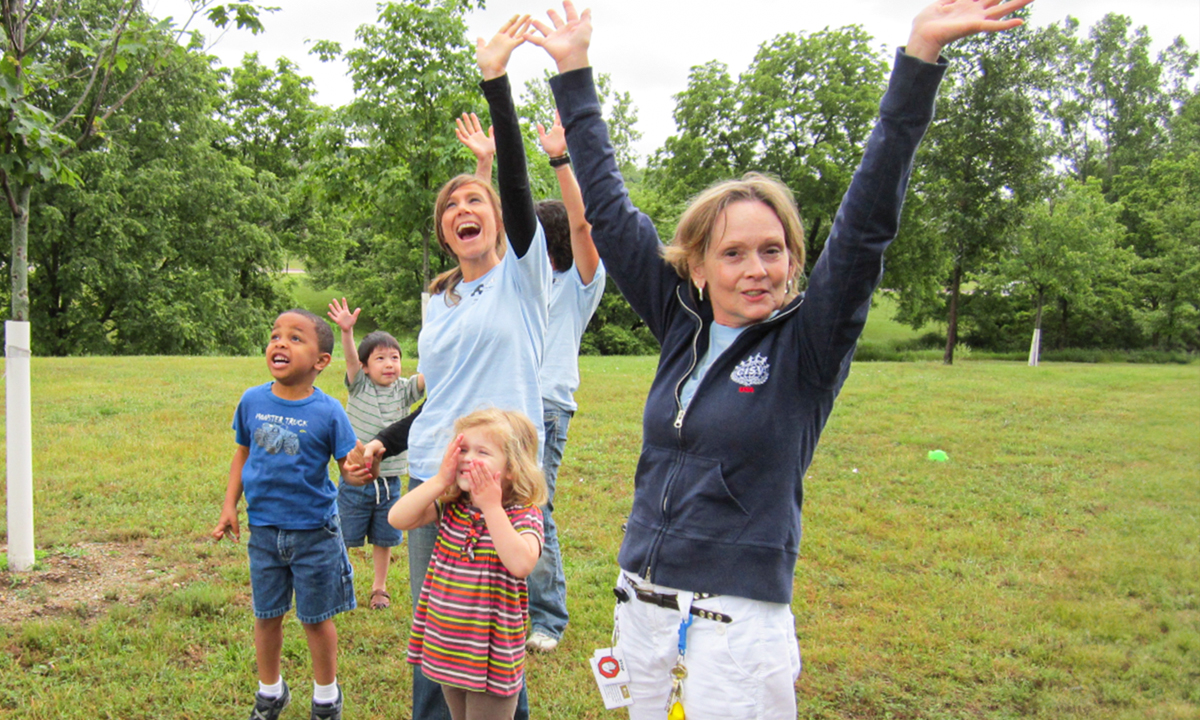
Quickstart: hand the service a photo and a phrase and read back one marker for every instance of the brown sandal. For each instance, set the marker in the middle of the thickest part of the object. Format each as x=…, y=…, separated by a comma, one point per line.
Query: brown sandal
x=380, y=600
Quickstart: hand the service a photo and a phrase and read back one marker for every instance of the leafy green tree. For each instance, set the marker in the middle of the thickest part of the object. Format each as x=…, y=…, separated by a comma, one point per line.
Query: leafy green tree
x=1113, y=101
x=982, y=161
x=272, y=123
x=382, y=161
x=1162, y=211
x=169, y=242
x=1066, y=249
x=802, y=111
x=63, y=78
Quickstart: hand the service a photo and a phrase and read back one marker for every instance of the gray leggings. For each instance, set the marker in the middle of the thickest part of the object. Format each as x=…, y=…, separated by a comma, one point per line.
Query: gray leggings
x=468, y=705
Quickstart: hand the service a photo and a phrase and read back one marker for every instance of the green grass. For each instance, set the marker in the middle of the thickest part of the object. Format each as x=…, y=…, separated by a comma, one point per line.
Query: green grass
x=1050, y=569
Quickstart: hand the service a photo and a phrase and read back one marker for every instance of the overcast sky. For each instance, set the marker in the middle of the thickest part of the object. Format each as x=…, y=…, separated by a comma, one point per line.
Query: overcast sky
x=648, y=46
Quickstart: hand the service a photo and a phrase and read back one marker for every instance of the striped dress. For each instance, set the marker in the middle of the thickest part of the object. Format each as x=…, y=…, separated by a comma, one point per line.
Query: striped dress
x=468, y=628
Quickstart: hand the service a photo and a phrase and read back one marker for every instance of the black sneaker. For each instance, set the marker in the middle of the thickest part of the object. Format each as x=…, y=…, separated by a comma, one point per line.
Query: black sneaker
x=267, y=708
x=328, y=712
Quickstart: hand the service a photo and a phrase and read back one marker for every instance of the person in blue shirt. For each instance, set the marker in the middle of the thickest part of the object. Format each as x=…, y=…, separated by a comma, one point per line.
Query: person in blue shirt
x=483, y=335
x=747, y=377
x=286, y=430
x=576, y=290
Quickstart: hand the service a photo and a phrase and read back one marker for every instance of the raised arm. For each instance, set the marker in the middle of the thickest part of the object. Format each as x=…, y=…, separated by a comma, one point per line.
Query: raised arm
x=625, y=237
x=516, y=197
x=340, y=314
x=482, y=145
x=554, y=142
x=416, y=507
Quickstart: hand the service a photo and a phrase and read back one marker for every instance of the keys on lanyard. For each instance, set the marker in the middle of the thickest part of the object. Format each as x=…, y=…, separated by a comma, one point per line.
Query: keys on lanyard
x=679, y=672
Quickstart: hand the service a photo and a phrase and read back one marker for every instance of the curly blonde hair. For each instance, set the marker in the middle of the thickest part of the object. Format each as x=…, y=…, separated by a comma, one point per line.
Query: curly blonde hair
x=517, y=438
x=694, y=232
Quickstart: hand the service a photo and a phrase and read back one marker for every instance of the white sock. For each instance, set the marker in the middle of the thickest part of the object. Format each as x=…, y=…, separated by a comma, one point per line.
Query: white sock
x=325, y=694
x=271, y=691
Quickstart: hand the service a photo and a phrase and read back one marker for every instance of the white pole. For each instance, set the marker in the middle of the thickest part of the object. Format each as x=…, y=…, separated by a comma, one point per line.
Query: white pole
x=20, y=446
x=1035, y=347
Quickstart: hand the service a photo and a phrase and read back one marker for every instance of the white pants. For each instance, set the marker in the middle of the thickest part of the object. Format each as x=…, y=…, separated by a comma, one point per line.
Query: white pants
x=742, y=670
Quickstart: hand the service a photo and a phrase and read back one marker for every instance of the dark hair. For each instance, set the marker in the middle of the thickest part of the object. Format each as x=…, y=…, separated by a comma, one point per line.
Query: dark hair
x=552, y=214
x=324, y=334
x=375, y=340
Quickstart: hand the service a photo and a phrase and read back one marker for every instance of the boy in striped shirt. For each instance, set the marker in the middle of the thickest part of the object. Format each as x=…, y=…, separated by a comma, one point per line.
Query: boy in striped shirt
x=379, y=396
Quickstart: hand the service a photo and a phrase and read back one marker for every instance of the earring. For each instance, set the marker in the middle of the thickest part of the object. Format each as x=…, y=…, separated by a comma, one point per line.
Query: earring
x=700, y=289
x=788, y=289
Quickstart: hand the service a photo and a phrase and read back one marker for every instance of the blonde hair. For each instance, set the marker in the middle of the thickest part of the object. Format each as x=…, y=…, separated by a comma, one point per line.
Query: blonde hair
x=517, y=438
x=694, y=232
x=447, y=281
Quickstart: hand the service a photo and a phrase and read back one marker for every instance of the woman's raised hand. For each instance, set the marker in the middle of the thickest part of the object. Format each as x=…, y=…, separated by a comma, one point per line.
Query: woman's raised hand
x=945, y=21
x=554, y=141
x=493, y=55
x=470, y=133
x=569, y=39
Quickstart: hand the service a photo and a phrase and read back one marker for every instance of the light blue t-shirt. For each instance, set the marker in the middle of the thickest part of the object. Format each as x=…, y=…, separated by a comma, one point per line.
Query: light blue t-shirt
x=720, y=337
x=484, y=351
x=286, y=477
x=572, y=305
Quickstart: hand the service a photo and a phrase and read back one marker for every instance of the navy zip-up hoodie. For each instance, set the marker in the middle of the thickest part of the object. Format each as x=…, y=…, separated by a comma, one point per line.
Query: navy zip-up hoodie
x=719, y=487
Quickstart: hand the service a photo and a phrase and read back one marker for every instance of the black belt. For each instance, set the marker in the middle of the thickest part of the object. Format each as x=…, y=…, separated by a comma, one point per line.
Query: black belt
x=671, y=602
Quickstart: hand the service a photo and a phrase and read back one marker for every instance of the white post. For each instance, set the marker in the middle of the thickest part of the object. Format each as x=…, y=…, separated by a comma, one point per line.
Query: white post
x=1035, y=347
x=20, y=446
x=424, y=305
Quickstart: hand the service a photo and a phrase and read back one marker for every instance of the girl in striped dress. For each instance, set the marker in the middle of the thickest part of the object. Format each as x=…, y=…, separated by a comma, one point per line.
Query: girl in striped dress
x=468, y=631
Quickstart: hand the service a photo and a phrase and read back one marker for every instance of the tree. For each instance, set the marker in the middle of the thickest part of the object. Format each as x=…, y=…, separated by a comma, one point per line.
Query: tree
x=1113, y=101
x=272, y=123
x=112, y=49
x=1162, y=210
x=802, y=112
x=981, y=162
x=1067, y=249
x=169, y=243
x=388, y=152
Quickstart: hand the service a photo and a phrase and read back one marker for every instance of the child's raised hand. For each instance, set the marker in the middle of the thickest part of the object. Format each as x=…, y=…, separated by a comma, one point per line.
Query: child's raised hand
x=341, y=316
x=567, y=43
x=486, y=489
x=470, y=133
x=554, y=140
x=493, y=55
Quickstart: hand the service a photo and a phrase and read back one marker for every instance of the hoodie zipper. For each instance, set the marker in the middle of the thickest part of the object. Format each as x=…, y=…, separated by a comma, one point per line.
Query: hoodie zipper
x=648, y=573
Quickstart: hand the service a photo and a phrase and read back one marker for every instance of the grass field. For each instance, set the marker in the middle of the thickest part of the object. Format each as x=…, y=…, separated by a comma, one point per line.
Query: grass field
x=1049, y=569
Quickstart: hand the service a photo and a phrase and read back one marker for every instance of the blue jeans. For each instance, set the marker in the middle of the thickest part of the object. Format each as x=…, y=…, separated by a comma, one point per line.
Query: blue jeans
x=428, y=701
x=312, y=564
x=547, y=583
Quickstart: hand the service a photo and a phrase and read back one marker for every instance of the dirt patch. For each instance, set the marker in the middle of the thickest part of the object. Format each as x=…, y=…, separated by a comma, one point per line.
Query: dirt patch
x=82, y=579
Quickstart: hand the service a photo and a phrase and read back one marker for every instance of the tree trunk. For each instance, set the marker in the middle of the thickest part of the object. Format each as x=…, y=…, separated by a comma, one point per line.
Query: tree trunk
x=952, y=321
x=20, y=256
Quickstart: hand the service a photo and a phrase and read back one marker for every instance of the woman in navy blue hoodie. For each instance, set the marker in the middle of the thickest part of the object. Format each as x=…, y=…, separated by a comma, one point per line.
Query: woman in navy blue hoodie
x=747, y=378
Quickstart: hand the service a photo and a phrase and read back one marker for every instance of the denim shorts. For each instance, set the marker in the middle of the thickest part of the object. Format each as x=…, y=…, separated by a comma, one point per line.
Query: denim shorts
x=364, y=510
x=311, y=563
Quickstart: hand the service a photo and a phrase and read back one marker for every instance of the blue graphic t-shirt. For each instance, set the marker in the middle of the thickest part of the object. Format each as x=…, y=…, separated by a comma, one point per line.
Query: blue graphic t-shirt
x=286, y=478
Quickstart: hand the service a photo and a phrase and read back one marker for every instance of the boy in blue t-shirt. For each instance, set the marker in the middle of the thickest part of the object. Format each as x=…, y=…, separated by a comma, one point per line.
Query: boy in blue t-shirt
x=286, y=431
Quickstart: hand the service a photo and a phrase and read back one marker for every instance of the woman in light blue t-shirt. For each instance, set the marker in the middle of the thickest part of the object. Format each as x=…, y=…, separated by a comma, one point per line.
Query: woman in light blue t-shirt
x=483, y=335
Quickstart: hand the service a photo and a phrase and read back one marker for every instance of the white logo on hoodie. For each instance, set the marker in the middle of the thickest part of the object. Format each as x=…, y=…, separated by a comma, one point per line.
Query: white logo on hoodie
x=751, y=371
